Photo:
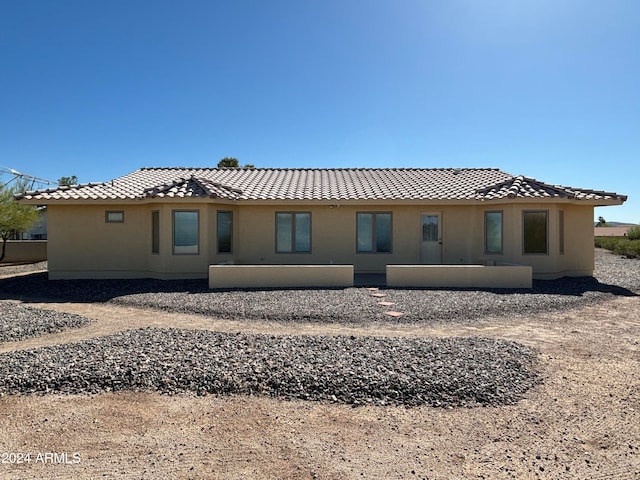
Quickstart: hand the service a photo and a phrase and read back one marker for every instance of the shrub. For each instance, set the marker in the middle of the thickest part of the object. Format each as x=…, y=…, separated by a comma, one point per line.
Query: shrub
x=630, y=248
x=606, y=242
x=634, y=233
x=620, y=246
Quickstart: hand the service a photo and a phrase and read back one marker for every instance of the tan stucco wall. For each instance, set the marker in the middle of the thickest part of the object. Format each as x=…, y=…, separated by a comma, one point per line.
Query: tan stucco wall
x=459, y=276
x=251, y=276
x=81, y=241
x=166, y=264
x=25, y=251
x=334, y=236
x=82, y=245
x=577, y=259
x=333, y=232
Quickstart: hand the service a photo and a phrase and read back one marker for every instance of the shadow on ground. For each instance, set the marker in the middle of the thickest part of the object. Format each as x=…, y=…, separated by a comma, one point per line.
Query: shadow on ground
x=38, y=288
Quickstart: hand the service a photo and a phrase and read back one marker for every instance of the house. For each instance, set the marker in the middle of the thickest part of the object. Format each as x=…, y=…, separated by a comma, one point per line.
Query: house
x=177, y=222
x=38, y=231
x=28, y=246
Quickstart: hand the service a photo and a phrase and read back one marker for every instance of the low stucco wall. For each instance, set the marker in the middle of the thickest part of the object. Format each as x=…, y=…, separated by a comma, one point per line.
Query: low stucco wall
x=257, y=276
x=459, y=276
x=25, y=251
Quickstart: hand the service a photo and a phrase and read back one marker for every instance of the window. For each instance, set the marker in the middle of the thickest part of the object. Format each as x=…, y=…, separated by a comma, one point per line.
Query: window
x=561, y=231
x=293, y=232
x=185, y=232
x=155, y=231
x=373, y=232
x=114, y=216
x=430, y=230
x=493, y=233
x=534, y=231
x=225, y=232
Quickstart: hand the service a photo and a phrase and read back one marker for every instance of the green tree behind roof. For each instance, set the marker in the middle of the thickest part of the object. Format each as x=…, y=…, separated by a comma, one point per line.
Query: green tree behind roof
x=68, y=181
x=230, y=162
x=14, y=217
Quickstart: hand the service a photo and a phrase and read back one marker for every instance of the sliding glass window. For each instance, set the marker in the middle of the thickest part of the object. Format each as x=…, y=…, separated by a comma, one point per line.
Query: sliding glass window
x=373, y=232
x=293, y=232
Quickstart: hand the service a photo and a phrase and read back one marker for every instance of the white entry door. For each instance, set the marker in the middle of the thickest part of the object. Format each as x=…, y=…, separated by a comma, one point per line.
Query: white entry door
x=431, y=238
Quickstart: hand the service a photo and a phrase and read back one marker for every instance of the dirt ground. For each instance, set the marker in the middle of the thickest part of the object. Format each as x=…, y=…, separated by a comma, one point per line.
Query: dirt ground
x=582, y=422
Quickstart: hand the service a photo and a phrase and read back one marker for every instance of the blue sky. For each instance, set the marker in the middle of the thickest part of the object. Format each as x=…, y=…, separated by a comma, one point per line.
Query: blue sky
x=544, y=88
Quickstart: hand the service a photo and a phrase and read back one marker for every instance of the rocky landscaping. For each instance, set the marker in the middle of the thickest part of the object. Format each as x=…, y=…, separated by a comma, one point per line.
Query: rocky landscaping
x=132, y=401
x=18, y=322
x=18, y=268
x=354, y=370
x=613, y=276
x=460, y=371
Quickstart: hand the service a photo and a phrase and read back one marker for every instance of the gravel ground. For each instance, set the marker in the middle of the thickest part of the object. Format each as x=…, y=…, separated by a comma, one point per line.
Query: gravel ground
x=458, y=371
x=12, y=269
x=580, y=420
x=613, y=276
x=18, y=322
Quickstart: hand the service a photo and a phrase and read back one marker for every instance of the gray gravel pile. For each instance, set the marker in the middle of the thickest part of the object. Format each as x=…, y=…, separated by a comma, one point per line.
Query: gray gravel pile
x=615, y=270
x=18, y=322
x=11, y=269
x=352, y=305
x=613, y=276
x=458, y=371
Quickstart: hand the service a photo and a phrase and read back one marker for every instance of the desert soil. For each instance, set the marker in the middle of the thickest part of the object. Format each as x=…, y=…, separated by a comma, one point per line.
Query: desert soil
x=582, y=422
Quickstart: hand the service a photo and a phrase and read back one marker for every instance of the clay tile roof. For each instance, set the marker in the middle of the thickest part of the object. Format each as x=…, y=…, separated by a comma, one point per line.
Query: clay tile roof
x=525, y=187
x=192, y=187
x=237, y=184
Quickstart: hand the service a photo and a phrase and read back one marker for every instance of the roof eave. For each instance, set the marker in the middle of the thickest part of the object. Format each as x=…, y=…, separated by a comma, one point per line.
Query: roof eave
x=611, y=202
x=619, y=200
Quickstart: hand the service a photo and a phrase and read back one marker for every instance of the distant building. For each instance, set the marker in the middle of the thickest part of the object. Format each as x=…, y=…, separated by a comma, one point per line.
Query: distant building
x=611, y=231
x=38, y=231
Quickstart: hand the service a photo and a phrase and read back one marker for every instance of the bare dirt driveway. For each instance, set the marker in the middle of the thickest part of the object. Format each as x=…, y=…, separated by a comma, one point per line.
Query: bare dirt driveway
x=582, y=422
